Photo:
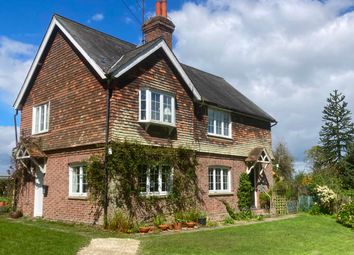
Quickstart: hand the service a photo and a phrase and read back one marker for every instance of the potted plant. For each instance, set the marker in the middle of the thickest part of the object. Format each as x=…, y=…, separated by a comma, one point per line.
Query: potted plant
x=144, y=228
x=202, y=218
x=179, y=220
x=191, y=218
x=160, y=221
x=190, y=224
x=3, y=201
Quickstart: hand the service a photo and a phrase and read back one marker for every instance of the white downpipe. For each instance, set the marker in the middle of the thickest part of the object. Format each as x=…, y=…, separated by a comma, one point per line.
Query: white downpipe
x=255, y=187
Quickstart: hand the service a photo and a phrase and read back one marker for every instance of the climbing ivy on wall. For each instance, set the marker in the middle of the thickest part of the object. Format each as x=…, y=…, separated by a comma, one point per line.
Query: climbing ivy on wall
x=124, y=165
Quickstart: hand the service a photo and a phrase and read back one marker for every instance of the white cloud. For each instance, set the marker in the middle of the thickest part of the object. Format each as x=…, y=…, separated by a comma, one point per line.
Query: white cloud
x=96, y=17
x=284, y=55
x=15, y=60
x=7, y=143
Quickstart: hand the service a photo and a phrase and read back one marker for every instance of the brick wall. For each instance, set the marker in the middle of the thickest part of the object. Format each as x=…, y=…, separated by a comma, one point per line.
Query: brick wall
x=57, y=205
x=77, y=100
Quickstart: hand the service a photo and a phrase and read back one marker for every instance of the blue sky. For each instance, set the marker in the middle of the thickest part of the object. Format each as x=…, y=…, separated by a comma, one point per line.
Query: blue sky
x=287, y=56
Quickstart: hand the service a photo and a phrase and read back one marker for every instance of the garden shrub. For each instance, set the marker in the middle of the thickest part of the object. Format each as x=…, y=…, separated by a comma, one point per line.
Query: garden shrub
x=345, y=215
x=120, y=222
x=242, y=215
x=326, y=199
x=315, y=209
x=228, y=220
x=244, y=192
x=264, y=200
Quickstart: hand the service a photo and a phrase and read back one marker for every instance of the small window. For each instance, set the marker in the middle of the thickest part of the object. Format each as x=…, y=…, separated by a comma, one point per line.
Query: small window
x=219, y=123
x=156, y=107
x=40, y=120
x=155, y=180
x=219, y=179
x=78, y=181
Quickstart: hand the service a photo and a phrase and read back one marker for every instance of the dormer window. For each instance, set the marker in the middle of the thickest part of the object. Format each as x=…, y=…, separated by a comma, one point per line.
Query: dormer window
x=156, y=107
x=219, y=123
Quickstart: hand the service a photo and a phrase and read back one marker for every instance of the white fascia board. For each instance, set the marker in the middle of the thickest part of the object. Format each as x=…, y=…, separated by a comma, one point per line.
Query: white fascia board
x=173, y=59
x=40, y=51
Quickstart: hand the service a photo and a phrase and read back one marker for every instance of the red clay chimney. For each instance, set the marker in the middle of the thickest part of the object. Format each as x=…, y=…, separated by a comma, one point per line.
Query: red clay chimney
x=158, y=8
x=160, y=25
x=164, y=8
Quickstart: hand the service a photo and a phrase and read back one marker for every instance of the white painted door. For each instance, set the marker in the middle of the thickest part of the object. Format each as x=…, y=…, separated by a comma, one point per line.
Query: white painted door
x=38, y=194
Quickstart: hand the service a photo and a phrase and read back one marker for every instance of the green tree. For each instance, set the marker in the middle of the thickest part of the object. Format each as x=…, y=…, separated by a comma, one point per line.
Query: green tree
x=244, y=192
x=316, y=158
x=284, y=162
x=346, y=169
x=337, y=132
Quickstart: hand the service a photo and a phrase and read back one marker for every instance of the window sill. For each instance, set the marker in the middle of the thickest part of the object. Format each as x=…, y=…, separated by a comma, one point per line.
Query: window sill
x=151, y=122
x=215, y=194
x=40, y=133
x=220, y=137
x=84, y=198
x=161, y=195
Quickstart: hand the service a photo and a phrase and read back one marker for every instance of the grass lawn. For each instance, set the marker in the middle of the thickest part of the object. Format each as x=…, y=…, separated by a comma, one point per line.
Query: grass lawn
x=23, y=236
x=301, y=235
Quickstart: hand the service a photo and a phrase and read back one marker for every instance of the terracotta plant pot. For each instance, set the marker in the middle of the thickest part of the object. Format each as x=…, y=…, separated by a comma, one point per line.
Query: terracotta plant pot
x=2, y=203
x=163, y=227
x=144, y=230
x=191, y=224
x=171, y=226
x=178, y=225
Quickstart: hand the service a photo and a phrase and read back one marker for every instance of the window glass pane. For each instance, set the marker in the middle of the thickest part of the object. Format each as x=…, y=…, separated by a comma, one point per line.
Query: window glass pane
x=165, y=178
x=210, y=174
x=226, y=124
x=41, y=121
x=84, y=179
x=210, y=121
x=36, y=126
x=219, y=119
x=218, y=179
x=142, y=178
x=167, y=109
x=155, y=106
x=75, y=180
x=225, y=179
x=154, y=179
x=143, y=105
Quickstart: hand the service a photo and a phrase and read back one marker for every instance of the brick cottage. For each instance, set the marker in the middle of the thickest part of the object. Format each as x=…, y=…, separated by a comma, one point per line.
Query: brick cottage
x=85, y=84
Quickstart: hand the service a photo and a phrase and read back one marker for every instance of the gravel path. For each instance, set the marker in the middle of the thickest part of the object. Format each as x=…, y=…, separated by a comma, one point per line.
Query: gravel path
x=111, y=246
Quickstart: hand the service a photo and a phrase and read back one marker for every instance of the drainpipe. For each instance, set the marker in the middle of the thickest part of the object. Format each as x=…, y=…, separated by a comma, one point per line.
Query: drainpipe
x=15, y=123
x=106, y=179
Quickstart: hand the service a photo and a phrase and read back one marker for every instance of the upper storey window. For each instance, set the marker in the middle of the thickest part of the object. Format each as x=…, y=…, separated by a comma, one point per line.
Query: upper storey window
x=219, y=123
x=156, y=106
x=40, y=121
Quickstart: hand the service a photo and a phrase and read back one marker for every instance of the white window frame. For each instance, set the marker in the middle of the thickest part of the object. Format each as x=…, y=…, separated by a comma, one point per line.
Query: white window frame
x=148, y=114
x=217, y=110
x=71, y=171
x=46, y=107
x=159, y=192
x=221, y=190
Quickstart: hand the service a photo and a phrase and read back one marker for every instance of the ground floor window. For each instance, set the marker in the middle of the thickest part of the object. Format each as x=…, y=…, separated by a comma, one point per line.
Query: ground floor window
x=77, y=180
x=155, y=180
x=219, y=179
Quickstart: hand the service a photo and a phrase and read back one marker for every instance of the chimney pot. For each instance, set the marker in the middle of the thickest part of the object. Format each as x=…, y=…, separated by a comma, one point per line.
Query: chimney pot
x=158, y=8
x=160, y=25
x=164, y=8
